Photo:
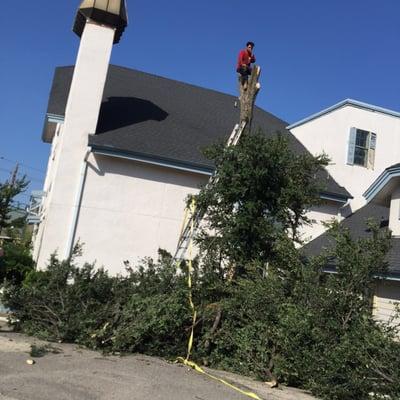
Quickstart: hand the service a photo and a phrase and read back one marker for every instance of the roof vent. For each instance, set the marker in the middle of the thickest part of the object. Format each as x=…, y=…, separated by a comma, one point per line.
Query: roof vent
x=106, y=12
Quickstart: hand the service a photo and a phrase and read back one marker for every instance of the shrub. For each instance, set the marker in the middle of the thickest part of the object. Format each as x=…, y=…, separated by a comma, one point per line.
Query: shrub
x=262, y=309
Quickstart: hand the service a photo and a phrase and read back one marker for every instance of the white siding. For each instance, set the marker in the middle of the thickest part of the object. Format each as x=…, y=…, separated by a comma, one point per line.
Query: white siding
x=385, y=300
x=330, y=133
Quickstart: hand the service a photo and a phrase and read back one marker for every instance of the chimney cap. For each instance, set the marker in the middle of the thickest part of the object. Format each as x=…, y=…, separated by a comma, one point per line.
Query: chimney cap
x=107, y=12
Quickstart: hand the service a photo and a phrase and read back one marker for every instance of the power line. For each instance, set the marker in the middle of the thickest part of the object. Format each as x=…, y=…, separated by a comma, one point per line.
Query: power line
x=24, y=195
x=31, y=178
x=22, y=164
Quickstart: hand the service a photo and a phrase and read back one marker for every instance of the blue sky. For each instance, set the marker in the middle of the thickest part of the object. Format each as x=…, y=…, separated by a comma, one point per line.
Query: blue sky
x=312, y=53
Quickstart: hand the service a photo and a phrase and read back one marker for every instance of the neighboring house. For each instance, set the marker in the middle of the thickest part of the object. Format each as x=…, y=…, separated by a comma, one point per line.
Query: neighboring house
x=383, y=206
x=126, y=150
x=385, y=192
x=363, y=143
x=360, y=139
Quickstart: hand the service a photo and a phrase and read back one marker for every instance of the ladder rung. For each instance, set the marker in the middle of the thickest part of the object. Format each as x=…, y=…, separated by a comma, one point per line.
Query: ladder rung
x=196, y=217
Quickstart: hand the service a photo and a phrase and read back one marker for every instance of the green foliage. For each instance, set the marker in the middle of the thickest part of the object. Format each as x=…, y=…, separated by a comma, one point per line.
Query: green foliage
x=16, y=261
x=8, y=191
x=263, y=309
x=15, y=258
x=296, y=323
x=328, y=339
x=143, y=311
x=261, y=195
x=41, y=350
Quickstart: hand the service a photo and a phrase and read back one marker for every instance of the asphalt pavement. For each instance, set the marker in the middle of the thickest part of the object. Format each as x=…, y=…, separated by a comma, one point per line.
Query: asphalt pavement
x=68, y=372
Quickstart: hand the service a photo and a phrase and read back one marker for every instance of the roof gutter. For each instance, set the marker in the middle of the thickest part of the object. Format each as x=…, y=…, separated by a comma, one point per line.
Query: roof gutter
x=387, y=277
x=187, y=167
x=147, y=159
x=335, y=197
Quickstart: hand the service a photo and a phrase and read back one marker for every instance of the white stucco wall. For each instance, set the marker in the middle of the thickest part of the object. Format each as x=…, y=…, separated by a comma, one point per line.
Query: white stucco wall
x=318, y=216
x=128, y=211
x=329, y=133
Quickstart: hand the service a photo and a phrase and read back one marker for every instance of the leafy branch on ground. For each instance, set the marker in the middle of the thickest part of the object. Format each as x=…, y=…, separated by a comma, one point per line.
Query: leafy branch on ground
x=264, y=309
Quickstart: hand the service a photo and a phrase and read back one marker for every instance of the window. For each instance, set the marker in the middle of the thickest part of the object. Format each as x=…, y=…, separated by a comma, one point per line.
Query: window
x=361, y=150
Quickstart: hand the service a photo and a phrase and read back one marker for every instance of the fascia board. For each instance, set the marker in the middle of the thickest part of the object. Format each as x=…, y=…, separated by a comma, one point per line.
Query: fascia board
x=380, y=183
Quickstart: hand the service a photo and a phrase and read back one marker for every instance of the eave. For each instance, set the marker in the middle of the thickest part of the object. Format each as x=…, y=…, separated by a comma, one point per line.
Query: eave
x=380, y=190
x=154, y=160
x=50, y=125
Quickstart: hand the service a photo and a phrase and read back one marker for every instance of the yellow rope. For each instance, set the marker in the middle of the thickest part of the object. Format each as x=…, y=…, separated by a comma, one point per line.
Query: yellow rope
x=193, y=365
x=190, y=269
x=186, y=361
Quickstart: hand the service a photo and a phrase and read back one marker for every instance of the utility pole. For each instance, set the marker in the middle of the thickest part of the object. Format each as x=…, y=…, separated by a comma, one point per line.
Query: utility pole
x=248, y=98
x=14, y=174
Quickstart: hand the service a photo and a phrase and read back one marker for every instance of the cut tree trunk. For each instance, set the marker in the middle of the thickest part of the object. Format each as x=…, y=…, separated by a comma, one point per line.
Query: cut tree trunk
x=248, y=98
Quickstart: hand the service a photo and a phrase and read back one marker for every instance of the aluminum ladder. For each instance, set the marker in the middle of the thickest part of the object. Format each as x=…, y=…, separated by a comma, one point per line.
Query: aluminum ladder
x=192, y=221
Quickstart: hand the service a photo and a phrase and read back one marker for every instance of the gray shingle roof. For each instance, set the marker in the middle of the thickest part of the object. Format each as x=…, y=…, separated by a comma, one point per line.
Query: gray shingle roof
x=148, y=115
x=357, y=226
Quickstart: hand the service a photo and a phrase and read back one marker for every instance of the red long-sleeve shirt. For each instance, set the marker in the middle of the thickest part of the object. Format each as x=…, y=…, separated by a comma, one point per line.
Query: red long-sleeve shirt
x=245, y=58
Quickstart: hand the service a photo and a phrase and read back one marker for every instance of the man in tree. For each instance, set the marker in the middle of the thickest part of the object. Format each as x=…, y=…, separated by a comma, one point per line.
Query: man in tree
x=245, y=59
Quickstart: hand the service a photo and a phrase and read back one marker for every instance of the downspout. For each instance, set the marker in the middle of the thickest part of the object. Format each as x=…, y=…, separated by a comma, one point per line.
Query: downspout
x=77, y=207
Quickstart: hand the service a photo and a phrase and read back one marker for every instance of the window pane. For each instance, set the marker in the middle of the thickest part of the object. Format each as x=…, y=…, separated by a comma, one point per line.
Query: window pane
x=361, y=138
x=360, y=156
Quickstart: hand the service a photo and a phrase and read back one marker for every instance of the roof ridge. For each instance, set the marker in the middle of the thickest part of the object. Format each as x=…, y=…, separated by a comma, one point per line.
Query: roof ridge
x=341, y=104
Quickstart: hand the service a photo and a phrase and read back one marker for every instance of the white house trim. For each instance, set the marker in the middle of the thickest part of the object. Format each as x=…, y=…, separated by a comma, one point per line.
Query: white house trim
x=382, y=180
x=346, y=102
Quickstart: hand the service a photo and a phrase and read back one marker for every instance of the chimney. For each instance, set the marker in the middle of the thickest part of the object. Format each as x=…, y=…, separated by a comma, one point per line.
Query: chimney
x=110, y=13
x=99, y=24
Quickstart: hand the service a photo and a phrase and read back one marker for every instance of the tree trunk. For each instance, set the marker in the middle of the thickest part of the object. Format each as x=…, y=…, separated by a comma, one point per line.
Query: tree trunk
x=248, y=97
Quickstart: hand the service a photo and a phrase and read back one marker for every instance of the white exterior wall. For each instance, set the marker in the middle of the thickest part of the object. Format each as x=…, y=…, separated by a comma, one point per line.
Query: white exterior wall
x=129, y=210
x=48, y=184
x=329, y=133
x=386, y=298
x=318, y=216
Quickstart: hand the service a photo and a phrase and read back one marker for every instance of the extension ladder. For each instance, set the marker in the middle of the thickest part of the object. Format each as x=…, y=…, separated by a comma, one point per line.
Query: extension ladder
x=193, y=216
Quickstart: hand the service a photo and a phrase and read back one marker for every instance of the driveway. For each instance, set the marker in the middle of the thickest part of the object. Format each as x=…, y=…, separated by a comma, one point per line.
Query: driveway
x=67, y=372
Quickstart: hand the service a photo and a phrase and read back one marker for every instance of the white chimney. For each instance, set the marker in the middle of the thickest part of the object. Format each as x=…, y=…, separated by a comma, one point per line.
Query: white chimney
x=99, y=24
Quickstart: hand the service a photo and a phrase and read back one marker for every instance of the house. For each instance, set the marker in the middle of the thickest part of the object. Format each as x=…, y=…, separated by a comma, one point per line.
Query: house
x=363, y=143
x=360, y=139
x=385, y=192
x=383, y=208
x=126, y=150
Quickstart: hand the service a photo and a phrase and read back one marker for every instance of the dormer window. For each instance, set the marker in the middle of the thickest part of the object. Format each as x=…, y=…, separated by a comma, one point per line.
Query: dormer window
x=361, y=150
